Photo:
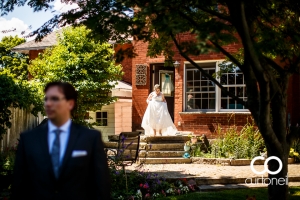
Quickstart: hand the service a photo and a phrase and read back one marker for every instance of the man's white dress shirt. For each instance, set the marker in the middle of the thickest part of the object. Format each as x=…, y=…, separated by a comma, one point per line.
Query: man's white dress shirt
x=63, y=137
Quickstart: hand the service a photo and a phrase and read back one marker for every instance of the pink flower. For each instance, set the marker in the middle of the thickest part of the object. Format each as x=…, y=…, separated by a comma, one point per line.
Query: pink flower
x=163, y=192
x=141, y=185
x=146, y=186
x=147, y=196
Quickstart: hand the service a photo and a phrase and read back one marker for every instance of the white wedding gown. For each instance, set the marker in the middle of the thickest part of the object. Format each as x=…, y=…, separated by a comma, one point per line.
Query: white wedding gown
x=157, y=117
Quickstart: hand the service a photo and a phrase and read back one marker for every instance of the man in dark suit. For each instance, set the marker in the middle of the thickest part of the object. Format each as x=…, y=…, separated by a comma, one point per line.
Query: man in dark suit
x=59, y=159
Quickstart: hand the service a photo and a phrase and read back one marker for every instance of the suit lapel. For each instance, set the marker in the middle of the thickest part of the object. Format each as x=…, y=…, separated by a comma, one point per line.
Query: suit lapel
x=71, y=142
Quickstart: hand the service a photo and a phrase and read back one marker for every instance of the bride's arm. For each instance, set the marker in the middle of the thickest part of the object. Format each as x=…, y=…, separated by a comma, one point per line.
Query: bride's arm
x=163, y=98
x=149, y=97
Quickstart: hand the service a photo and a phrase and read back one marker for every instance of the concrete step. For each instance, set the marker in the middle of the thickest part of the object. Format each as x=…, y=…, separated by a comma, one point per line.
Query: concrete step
x=114, y=145
x=165, y=147
x=161, y=154
x=164, y=160
x=165, y=139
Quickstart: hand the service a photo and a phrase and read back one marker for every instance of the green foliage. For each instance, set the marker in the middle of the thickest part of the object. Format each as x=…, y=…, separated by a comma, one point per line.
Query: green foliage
x=7, y=160
x=247, y=143
x=17, y=94
x=13, y=63
x=295, y=150
x=145, y=185
x=83, y=62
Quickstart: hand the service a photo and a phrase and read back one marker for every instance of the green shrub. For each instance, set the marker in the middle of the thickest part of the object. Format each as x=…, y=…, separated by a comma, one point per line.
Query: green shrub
x=247, y=143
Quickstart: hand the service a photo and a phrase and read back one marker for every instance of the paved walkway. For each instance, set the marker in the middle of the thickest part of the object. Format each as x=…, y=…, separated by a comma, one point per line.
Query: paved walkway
x=209, y=171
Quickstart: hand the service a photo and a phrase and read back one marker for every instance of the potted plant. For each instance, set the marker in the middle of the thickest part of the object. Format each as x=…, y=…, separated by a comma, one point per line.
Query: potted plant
x=194, y=139
x=187, y=146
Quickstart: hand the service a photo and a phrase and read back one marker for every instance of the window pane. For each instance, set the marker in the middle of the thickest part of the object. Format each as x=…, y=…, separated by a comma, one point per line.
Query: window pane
x=212, y=104
x=239, y=79
x=104, y=121
x=231, y=79
x=223, y=94
x=204, y=104
x=98, y=114
x=224, y=79
x=189, y=75
x=104, y=114
x=224, y=104
x=197, y=104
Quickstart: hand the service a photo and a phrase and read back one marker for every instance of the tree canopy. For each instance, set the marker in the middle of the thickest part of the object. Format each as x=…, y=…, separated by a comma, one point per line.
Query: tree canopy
x=15, y=90
x=83, y=62
x=14, y=63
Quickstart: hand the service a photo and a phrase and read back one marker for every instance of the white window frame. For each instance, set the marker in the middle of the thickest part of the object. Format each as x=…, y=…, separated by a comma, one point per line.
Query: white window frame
x=217, y=91
x=102, y=111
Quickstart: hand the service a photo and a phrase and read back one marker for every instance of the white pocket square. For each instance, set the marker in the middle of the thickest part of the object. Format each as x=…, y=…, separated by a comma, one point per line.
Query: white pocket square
x=79, y=153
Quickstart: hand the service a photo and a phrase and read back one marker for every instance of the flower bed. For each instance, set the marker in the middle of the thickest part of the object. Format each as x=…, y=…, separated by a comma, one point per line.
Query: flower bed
x=145, y=185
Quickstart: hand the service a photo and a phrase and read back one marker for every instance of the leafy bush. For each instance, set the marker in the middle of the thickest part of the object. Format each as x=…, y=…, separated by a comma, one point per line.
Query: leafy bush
x=247, y=143
x=7, y=160
x=295, y=150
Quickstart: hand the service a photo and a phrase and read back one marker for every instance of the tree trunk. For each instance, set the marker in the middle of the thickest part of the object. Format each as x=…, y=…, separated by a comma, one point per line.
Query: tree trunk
x=278, y=185
x=278, y=188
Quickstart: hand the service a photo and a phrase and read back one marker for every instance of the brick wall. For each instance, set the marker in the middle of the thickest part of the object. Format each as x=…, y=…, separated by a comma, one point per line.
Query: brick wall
x=208, y=123
x=293, y=100
x=34, y=53
x=140, y=93
x=126, y=63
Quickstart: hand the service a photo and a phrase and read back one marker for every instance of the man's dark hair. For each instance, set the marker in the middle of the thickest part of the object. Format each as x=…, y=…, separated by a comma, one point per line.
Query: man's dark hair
x=67, y=89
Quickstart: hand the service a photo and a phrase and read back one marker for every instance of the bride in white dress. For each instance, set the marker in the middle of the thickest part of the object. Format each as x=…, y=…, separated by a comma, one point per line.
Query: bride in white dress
x=157, y=117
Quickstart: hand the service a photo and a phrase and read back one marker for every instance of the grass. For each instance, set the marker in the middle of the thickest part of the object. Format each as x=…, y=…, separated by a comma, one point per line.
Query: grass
x=238, y=194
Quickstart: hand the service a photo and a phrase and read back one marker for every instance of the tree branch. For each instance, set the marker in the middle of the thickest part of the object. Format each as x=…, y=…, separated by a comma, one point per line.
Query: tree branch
x=214, y=13
x=206, y=74
x=263, y=79
x=233, y=59
x=274, y=65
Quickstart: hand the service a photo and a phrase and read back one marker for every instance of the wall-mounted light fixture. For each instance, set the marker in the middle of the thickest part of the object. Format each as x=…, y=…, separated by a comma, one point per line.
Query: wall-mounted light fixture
x=176, y=64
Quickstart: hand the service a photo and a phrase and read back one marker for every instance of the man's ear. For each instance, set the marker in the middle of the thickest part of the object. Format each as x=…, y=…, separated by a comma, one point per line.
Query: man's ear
x=71, y=104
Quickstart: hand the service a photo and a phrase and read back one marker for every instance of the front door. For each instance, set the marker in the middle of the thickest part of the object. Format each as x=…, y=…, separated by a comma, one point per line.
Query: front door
x=164, y=76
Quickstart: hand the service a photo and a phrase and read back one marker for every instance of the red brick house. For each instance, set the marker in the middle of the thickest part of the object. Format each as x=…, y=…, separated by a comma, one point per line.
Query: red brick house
x=196, y=104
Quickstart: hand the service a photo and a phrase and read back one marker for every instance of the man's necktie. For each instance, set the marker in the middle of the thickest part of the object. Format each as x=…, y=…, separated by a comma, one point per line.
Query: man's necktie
x=55, y=153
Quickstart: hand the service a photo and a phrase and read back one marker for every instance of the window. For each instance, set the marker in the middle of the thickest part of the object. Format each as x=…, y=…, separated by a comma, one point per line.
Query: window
x=200, y=91
x=233, y=80
x=201, y=94
x=101, y=118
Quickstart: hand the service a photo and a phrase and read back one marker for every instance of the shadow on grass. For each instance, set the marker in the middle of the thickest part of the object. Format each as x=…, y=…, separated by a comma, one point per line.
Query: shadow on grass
x=235, y=194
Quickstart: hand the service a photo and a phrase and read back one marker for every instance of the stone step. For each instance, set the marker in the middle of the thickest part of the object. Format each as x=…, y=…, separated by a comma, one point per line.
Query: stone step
x=165, y=147
x=160, y=154
x=164, y=160
x=155, y=139
x=165, y=139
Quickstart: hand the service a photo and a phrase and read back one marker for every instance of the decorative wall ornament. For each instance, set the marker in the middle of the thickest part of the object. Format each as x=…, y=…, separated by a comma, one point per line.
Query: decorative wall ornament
x=141, y=74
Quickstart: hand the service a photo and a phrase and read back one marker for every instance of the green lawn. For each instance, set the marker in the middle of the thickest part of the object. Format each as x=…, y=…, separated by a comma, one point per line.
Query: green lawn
x=237, y=194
